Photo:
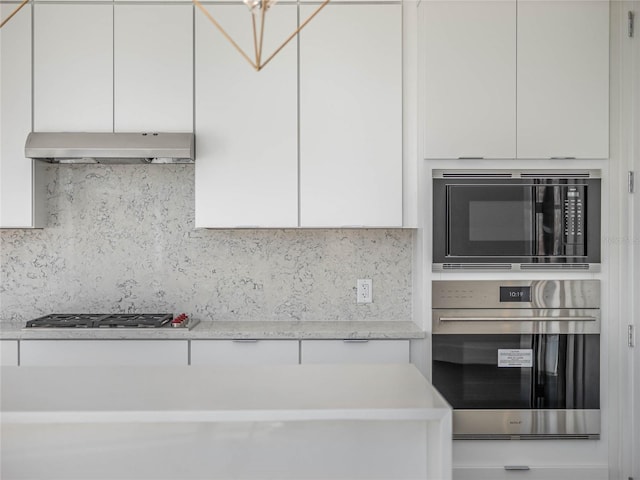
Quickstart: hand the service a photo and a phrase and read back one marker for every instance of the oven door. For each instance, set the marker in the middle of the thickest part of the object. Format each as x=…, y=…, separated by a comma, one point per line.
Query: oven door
x=518, y=371
x=523, y=386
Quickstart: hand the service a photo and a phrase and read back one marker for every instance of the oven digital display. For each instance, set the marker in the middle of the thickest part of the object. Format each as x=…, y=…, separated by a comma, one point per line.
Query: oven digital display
x=515, y=294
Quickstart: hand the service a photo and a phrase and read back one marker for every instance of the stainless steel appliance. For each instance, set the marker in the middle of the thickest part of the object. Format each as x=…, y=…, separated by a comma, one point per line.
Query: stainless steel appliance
x=516, y=220
x=518, y=359
x=111, y=148
x=113, y=320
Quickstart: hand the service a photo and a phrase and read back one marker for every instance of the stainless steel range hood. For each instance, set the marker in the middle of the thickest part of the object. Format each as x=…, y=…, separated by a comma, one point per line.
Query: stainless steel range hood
x=110, y=148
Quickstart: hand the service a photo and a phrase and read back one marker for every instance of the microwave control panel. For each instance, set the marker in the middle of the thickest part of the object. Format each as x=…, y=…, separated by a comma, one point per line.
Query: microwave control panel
x=574, y=220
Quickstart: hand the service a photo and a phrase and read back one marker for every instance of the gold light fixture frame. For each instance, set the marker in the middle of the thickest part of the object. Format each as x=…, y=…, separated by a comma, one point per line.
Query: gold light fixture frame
x=2, y=23
x=258, y=34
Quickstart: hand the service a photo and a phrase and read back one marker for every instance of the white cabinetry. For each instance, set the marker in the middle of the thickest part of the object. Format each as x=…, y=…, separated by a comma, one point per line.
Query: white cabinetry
x=153, y=67
x=103, y=352
x=354, y=351
x=73, y=67
x=470, y=52
x=342, y=99
x=351, y=116
x=246, y=124
x=21, y=192
x=563, y=79
x=8, y=352
x=516, y=79
x=107, y=68
x=244, y=352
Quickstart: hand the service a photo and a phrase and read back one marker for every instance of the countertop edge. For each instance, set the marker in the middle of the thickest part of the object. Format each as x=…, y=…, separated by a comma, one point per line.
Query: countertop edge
x=229, y=330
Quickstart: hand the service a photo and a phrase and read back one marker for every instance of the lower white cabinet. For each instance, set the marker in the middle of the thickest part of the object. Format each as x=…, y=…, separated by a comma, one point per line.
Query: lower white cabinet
x=200, y=352
x=103, y=352
x=354, y=351
x=8, y=353
x=244, y=352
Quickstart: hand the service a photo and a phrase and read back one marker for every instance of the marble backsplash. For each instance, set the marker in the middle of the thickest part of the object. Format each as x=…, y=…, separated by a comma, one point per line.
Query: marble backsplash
x=121, y=238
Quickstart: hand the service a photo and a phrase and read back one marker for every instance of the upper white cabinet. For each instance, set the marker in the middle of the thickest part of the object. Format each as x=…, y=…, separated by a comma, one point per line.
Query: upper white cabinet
x=123, y=67
x=470, y=75
x=341, y=97
x=73, y=67
x=525, y=79
x=153, y=67
x=351, y=116
x=563, y=79
x=246, y=123
x=22, y=203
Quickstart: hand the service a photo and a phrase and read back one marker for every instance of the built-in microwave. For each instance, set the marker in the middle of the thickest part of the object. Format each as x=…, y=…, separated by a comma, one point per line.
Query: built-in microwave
x=516, y=220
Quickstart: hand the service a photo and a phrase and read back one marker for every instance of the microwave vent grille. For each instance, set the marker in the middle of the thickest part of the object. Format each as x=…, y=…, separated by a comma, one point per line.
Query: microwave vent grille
x=476, y=175
x=555, y=266
x=556, y=175
x=477, y=266
x=534, y=436
x=507, y=174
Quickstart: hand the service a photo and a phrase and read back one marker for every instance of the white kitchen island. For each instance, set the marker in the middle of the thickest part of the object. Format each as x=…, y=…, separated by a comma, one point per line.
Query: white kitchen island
x=271, y=422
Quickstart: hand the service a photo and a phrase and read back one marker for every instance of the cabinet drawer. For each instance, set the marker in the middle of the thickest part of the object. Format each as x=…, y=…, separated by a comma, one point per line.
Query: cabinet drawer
x=244, y=352
x=103, y=352
x=355, y=351
x=8, y=353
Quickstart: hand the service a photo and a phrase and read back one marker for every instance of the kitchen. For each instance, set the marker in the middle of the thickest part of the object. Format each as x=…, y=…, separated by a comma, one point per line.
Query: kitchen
x=127, y=238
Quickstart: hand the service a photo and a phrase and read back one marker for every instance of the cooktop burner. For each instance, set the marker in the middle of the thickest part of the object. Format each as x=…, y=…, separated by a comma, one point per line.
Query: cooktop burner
x=93, y=320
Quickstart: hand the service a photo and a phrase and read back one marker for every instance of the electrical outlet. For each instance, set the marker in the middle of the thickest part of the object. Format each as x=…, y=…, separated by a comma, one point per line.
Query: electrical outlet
x=364, y=293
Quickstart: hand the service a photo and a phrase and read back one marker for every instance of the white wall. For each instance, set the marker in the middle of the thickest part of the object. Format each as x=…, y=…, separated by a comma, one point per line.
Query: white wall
x=629, y=402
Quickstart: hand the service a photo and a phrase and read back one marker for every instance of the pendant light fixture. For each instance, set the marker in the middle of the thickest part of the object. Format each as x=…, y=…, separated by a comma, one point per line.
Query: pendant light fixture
x=2, y=22
x=258, y=10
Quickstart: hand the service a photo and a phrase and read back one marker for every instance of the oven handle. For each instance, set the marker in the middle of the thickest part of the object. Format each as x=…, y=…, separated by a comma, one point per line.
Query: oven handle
x=517, y=319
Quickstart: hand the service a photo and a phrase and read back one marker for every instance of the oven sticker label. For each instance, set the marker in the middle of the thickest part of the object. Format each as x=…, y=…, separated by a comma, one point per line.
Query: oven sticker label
x=515, y=358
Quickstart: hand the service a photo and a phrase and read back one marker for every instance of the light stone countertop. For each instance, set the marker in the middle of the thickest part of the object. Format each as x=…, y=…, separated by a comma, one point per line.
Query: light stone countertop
x=179, y=394
x=250, y=422
x=255, y=330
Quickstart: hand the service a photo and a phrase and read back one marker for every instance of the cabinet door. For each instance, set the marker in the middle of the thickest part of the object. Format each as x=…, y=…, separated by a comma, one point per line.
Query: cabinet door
x=354, y=351
x=351, y=116
x=563, y=79
x=21, y=204
x=153, y=68
x=73, y=67
x=8, y=350
x=103, y=352
x=244, y=352
x=246, y=123
x=470, y=75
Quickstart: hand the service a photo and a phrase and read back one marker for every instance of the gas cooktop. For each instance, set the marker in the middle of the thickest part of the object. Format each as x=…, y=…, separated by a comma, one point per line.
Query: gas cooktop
x=95, y=320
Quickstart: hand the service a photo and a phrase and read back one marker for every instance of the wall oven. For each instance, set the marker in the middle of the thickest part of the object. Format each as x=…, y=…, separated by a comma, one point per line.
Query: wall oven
x=518, y=359
x=516, y=220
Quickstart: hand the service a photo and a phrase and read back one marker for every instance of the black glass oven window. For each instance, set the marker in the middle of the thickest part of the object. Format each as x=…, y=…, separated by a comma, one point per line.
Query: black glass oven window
x=564, y=373
x=490, y=220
